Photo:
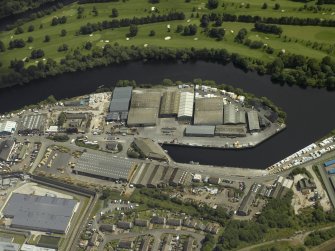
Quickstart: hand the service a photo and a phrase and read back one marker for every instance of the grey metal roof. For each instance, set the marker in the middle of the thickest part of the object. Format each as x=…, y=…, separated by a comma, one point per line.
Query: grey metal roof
x=253, y=120
x=201, y=130
x=229, y=115
x=42, y=213
x=6, y=149
x=119, y=105
x=104, y=165
x=122, y=92
x=208, y=111
x=8, y=246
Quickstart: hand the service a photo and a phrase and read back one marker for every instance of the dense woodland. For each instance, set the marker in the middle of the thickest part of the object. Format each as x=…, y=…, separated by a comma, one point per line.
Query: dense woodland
x=10, y=7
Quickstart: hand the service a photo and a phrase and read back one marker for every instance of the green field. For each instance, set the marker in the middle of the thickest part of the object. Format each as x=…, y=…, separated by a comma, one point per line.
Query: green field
x=295, y=39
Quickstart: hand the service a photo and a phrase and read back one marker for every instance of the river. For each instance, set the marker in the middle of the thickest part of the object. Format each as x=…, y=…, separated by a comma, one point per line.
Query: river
x=310, y=111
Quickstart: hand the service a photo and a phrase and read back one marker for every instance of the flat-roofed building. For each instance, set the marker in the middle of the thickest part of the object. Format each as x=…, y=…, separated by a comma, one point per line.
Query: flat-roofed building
x=9, y=246
x=7, y=127
x=119, y=105
x=170, y=104
x=208, y=111
x=27, y=247
x=144, y=109
x=199, y=131
x=104, y=166
x=253, y=121
x=185, y=111
x=40, y=213
x=231, y=130
x=149, y=149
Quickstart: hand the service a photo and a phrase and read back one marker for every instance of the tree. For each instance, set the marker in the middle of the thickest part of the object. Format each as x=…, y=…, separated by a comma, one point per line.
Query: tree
x=95, y=11
x=37, y=54
x=241, y=35
x=152, y=33
x=30, y=39
x=61, y=119
x=47, y=38
x=264, y=6
x=63, y=47
x=204, y=21
x=179, y=28
x=133, y=30
x=88, y=45
x=54, y=21
x=212, y=4
x=31, y=28
x=63, y=33
x=2, y=47
x=115, y=12
x=277, y=6
x=154, y=1
x=19, y=30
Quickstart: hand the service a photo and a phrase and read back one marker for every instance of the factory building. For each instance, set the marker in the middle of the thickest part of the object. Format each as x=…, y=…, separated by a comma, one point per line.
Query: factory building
x=6, y=149
x=151, y=175
x=185, y=111
x=253, y=121
x=200, y=131
x=180, y=177
x=33, y=123
x=119, y=105
x=7, y=127
x=244, y=208
x=77, y=122
x=9, y=246
x=232, y=116
x=231, y=130
x=40, y=213
x=208, y=111
x=104, y=166
x=149, y=149
x=144, y=109
x=170, y=104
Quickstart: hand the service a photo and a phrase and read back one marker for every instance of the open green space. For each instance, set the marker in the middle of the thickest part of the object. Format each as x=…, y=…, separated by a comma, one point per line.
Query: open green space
x=296, y=42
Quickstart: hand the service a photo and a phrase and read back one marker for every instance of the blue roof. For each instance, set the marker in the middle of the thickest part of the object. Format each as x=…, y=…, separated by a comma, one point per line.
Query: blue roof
x=329, y=163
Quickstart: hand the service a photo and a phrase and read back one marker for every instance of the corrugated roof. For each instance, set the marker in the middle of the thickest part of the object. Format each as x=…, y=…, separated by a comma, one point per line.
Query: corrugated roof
x=229, y=115
x=201, y=130
x=41, y=213
x=186, y=104
x=170, y=103
x=208, y=111
x=253, y=120
x=104, y=165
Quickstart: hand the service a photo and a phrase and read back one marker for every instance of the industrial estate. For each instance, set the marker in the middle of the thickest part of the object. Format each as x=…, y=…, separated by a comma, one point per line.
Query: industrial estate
x=126, y=152
x=90, y=173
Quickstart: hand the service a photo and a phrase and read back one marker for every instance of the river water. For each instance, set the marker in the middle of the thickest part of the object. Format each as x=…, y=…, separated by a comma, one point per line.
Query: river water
x=310, y=111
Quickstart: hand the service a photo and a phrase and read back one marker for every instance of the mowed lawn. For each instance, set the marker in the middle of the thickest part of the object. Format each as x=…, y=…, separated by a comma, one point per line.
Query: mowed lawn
x=140, y=8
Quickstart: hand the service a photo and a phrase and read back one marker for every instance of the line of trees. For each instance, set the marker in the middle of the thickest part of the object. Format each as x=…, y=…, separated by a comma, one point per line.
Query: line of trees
x=286, y=68
x=269, y=20
x=96, y=1
x=10, y=7
x=268, y=28
x=58, y=20
x=125, y=22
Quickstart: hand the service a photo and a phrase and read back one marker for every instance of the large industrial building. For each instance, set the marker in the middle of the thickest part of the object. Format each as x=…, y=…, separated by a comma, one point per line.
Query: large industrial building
x=7, y=127
x=231, y=116
x=104, y=166
x=199, y=131
x=40, y=213
x=253, y=121
x=149, y=149
x=33, y=123
x=77, y=121
x=6, y=149
x=170, y=104
x=185, y=111
x=144, y=109
x=119, y=105
x=208, y=111
x=231, y=130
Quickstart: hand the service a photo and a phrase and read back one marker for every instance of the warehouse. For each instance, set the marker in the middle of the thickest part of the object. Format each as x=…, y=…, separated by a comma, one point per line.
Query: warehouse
x=229, y=115
x=40, y=213
x=180, y=177
x=244, y=208
x=33, y=123
x=199, y=131
x=208, y=111
x=170, y=104
x=144, y=109
x=231, y=130
x=7, y=127
x=6, y=149
x=9, y=246
x=119, y=104
x=253, y=121
x=185, y=112
x=104, y=166
x=149, y=149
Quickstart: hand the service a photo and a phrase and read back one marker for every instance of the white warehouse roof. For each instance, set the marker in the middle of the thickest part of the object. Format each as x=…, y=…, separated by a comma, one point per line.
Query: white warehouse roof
x=186, y=104
x=7, y=126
